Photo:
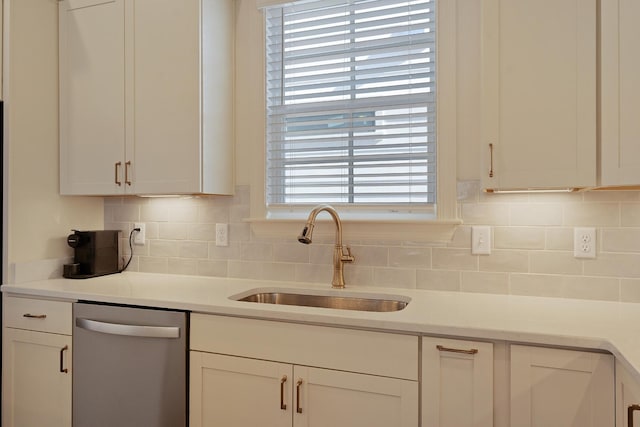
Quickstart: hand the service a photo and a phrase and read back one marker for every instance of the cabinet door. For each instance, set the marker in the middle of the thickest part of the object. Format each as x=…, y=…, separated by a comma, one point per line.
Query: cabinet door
x=539, y=93
x=324, y=397
x=92, y=88
x=561, y=388
x=620, y=92
x=238, y=392
x=36, y=389
x=627, y=398
x=457, y=383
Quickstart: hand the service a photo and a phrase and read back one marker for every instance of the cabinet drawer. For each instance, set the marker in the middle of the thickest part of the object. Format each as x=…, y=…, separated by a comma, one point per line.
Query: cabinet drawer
x=38, y=315
x=377, y=353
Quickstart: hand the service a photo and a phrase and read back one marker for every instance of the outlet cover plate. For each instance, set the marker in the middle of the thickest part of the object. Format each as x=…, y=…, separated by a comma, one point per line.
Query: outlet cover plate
x=584, y=242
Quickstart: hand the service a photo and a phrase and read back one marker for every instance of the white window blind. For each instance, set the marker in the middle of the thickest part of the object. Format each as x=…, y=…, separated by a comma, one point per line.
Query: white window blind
x=351, y=108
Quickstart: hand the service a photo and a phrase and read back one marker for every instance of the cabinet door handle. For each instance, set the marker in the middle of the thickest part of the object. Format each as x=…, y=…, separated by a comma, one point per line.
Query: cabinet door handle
x=127, y=166
x=34, y=316
x=298, y=387
x=283, y=405
x=457, y=350
x=630, y=411
x=62, y=368
x=117, y=177
x=491, y=157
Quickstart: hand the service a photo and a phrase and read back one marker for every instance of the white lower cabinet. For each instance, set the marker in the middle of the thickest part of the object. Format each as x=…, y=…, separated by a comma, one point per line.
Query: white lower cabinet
x=627, y=398
x=249, y=372
x=236, y=391
x=457, y=383
x=36, y=365
x=561, y=388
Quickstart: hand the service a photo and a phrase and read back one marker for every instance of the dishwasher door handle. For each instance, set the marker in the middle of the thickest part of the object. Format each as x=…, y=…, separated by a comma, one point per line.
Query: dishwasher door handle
x=129, y=330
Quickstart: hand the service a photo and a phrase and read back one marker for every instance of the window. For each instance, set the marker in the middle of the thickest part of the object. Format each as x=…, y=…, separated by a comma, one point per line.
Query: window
x=351, y=105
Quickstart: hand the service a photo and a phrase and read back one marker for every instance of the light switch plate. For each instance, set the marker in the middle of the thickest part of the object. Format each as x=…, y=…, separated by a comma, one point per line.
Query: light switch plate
x=481, y=240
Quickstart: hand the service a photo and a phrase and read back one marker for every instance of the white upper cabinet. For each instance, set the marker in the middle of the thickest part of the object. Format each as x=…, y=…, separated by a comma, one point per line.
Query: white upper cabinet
x=146, y=96
x=539, y=93
x=92, y=103
x=620, y=93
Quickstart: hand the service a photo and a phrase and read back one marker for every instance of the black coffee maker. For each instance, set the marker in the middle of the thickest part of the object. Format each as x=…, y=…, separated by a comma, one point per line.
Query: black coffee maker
x=96, y=254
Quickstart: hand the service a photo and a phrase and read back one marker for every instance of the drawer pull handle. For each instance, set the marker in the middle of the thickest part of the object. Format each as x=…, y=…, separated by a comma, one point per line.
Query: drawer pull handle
x=456, y=350
x=298, y=386
x=62, y=368
x=35, y=316
x=630, y=411
x=283, y=405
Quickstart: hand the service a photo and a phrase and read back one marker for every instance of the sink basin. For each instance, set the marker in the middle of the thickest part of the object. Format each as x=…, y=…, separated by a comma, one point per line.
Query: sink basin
x=379, y=303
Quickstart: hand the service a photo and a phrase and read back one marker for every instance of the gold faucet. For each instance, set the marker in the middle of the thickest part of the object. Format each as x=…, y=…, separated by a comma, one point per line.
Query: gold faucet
x=339, y=257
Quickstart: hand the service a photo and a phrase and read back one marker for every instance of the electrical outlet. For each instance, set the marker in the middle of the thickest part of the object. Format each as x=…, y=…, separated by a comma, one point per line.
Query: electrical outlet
x=584, y=242
x=222, y=234
x=139, y=236
x=481, y=240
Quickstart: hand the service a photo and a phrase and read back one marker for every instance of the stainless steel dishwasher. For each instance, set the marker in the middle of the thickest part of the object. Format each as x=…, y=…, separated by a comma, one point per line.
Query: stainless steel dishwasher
x=129, y=367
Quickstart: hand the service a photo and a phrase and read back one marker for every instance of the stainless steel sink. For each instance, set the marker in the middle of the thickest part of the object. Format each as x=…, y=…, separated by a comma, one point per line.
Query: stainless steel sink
x=379, y=303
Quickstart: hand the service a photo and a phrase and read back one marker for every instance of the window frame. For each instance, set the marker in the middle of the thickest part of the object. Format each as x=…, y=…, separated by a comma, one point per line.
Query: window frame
x=389, y=225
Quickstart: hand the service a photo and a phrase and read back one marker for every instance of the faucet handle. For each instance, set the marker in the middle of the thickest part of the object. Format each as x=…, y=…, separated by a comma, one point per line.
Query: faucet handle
x=348, y=257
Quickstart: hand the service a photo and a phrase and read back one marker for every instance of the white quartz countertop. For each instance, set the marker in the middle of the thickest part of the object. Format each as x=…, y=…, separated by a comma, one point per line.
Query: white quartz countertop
x=610, y=326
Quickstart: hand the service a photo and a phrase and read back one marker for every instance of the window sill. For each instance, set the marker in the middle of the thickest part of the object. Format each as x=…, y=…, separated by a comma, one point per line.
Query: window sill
x=435, y=231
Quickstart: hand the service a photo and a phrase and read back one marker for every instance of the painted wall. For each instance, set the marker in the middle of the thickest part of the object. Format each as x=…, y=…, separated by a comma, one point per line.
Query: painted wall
x=37, y=219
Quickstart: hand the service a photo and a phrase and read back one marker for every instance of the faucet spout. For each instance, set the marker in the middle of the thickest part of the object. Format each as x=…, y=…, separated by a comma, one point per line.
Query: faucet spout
x=339, y=256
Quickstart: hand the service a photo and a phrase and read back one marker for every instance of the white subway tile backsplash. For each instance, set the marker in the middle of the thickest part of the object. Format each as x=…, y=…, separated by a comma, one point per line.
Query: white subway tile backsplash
x=620, y=240
x=212, y=268
x=189, y=249
x=453, y=259
x=253, y=251
x=410, y=257
x=224, y=252
x=506, y=261
x=485, y=213
x=532, y=245
x=200, y=231
x=438, y=280
x=183, y=266
x=559, y=239
x=630, y=290
x=280, y=271
x=153, y=264
x=630, y=215
x=519, y=238
x=535, y=214
x=555, y=262
x=483, y=282
x=592, y=214
x=171, y=231
x=538, y=285
x=290, y=252
x=394, y=277
x=156, y=210
x=461, y=238
x=183, y=212
x=614, y=265
x=163, y=248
